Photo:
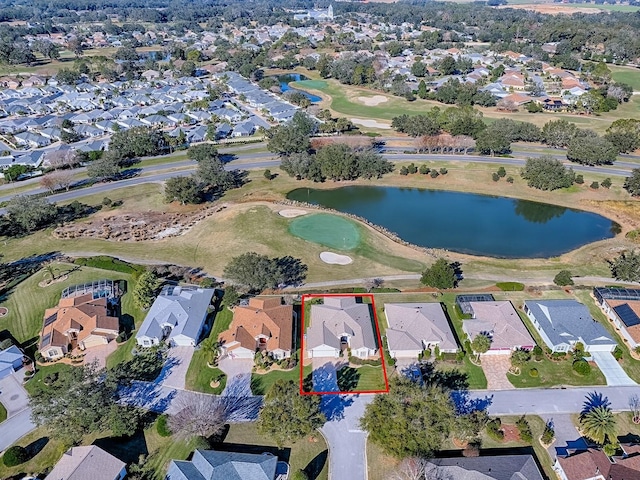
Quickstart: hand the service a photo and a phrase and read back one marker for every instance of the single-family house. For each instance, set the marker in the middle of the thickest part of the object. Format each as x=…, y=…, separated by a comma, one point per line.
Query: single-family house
x=32, y=140
x=340, y=323
x=500, y=321
x=490, y=467
x=264, y=325
x=82, y=321
x=563, y=323
x=622, y=306
x=11, y=360
x=415, y=327
x=178, y=315
x=214, y=465
x=82, y=463
x=593, y=464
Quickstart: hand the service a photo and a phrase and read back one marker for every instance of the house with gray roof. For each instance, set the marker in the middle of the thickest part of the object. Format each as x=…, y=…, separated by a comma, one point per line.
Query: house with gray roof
x=81, y=463
x=214, y=465
x=11, y=360
x=563, y=323
x=340, y=323
x=494, y=467
x=415, y=327
x=178, y=315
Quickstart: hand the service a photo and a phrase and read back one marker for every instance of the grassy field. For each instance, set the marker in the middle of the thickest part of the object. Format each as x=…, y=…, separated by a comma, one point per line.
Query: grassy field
x=628, y=75
x=309, y=454
x=381, y=466
x=199, y=375
x=325, y=229
x=28, y=301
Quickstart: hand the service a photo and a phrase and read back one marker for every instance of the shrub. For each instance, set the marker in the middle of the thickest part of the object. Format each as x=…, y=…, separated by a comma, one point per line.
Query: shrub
x=434, y=174
x=581, y=367
x=533, y=372
x=502, y=172
x=106, y=201
x=404, y=171
x=495, y=177
x=443, y=171
x=424, y=170
x=563, y=278
x=15, y=456
x=595, y=185
x=579, y=179
x=300, y=475
x=617, y=352
x=548, y=434
x=606, y=183
x=509, y=179
x=537, y=353
x=162, y=427
x=510, y=286
x=524, y=430
x=493, y=429
x=412, y=168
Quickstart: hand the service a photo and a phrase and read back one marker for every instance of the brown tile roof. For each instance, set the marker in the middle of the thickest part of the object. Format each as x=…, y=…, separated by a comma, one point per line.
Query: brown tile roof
x=587, y=464
x=81, y=313
x=263, y=316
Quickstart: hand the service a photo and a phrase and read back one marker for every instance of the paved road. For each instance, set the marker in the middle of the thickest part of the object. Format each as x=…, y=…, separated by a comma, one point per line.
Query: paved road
x=14, y=428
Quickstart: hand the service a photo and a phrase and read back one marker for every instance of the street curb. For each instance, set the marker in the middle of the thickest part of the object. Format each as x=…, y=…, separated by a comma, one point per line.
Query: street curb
x=329, y=454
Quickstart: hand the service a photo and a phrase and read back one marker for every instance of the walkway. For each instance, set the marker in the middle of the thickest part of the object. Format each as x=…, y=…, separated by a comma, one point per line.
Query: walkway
x=495, y=368
x=611, y=369
x=174, y=372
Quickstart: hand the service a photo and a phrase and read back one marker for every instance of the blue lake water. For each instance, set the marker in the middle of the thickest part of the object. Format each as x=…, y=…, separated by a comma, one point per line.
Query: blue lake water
x=468, y=223
x=285, y=80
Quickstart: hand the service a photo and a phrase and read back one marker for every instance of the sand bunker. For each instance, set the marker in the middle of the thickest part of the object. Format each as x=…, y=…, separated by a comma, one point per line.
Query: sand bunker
x=335, y=259
x=371, y=123
x=372, y=101
x=292, y=213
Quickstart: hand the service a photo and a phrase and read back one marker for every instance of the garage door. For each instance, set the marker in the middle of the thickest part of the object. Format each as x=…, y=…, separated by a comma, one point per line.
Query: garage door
x=323, y=352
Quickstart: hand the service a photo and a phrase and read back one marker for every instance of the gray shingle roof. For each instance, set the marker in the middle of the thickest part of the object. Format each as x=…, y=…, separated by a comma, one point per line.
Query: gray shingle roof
x=213, y=465
x=566, y=321
x=412, y=323
x=498, y=467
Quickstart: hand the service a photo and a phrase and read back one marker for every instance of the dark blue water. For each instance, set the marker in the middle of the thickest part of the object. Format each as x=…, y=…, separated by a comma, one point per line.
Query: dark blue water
x=468, y=223
x=295, y=77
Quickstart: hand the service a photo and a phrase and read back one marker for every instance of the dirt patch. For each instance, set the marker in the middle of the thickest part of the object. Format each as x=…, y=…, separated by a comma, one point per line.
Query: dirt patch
x=371, y=123
x=136, y=227
x=372, y=101
x=511, y=433
x=553, y=9
x=3, y=311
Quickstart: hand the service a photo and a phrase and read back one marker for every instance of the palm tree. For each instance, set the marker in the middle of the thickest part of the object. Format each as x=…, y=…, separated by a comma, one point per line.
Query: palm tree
x=49, y=271
x=210, y=347
x=599, y=424
x=481, y=344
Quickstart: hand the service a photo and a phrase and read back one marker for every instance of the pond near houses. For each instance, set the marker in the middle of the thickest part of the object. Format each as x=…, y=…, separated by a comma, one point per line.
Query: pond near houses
x=468, y=223
x=285, y=80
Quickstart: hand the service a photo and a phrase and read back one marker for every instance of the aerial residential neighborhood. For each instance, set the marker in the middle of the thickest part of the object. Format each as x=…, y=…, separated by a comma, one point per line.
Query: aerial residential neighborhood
x=350, y=240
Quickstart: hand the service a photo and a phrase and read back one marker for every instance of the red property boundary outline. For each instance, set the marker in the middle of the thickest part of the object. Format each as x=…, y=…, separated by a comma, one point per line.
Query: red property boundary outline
x=380, y=345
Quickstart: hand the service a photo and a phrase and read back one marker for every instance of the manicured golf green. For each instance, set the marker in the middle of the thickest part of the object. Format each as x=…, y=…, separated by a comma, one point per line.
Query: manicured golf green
x=329, y=230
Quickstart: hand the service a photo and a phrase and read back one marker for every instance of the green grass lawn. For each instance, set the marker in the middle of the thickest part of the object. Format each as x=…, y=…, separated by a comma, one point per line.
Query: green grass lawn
x=628, y=75
x=36, y=382
x=329, y=230
x=361, y=379
x=3, y=413
x=47, y=450
x=28, y=301
x=309, y=454
x=261, y=383
x=199, y=375
x=551, y=373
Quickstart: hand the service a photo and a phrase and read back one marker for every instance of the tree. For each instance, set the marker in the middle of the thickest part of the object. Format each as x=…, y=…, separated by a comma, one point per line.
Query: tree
x=287, y=416
x=563, y=278
x=632, y=183
x=212, y=173
x=411, y=468
x=410, y=420
x=599, y=424
x=108, y=166
x=197, y=415
x=520, y=357
x=76, y=46
x=57, y=179
x=447, y=66
x=481, y=343
x=591, y=151
x=547, y=173
x=15, y=455
x=14, y=172
x=183, y=189
x=634, y=406
x=29, y=212
x=558, y=133
x=259, y=271
x=144, y=293
x=440, y=275
x=626, y=267
x=231, y=296
x=203, y=151
x=624, y=134
x=493, y=142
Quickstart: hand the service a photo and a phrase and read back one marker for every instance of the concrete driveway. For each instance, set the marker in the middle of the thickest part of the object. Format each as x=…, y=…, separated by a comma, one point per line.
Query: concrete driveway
x=100, y=353
x=613, y=372
x=175, y=369
x=325, y=377
x=238, y=371
x=15, y=399
x=347, y=442
x=495, y=368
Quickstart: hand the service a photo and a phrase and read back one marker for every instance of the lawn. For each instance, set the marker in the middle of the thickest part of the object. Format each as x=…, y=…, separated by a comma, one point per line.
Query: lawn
x=361, y=379
x=36, y=382
x=309, y=454
x=199, y=375
x=3, y=413
x=28, y=301
x=332, y=231
x=628, y=75
x=261, y=383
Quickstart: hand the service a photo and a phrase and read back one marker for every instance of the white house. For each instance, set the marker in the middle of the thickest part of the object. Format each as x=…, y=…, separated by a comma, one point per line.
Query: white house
x=340, y=323
x=177, y=315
